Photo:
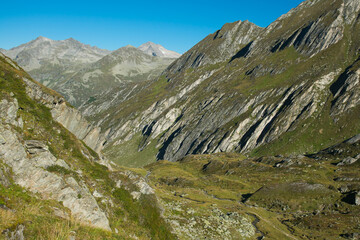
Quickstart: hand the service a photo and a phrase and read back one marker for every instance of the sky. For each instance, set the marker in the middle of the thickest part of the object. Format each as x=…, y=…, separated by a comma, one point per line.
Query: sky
x=109, y=24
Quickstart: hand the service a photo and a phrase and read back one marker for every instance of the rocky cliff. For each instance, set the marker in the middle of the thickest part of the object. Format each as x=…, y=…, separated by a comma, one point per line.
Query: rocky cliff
x=66, y=115
x=249, y=90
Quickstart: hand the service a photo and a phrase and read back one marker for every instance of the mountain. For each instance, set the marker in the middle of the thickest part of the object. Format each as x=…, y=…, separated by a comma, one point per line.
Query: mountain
x=291, y=88
x=120, y=69
x=50, y=61
x=79, y=71
x=262, y=137
x=34, y=54
x=153, y=49
x=54, y=186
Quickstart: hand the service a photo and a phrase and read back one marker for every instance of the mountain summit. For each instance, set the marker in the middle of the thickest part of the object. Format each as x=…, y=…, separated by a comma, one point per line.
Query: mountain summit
x=44, y=51
x=154, y=49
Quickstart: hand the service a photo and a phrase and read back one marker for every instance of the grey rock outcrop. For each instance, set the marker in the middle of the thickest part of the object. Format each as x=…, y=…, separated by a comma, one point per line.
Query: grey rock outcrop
x=17, y=234
x=30, y=172
x=347, y=161
x=69, y=117
x=357, y=198
x=72, y=120
x=140, y=183
x=34, y=146
x=354, y=139
x=266, y=122
x=346, y=90
x=219, y=46
x=8, y=113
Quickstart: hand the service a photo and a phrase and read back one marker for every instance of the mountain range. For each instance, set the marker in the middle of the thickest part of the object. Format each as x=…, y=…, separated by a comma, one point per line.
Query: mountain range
x=246, y=89
x=79, y=71
x=253, y=133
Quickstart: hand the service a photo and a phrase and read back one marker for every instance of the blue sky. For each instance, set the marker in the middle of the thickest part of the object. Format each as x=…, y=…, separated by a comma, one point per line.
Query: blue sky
x=177, y=25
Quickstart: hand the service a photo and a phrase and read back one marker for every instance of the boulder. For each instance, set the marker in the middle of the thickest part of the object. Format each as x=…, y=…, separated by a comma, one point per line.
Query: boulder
x=354, y=139
x=357, y=198
x=347, y=161
x=17, y=234
x=34, y=146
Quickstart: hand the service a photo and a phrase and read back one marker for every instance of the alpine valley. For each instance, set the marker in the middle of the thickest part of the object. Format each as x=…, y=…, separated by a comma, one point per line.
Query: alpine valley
x=254, y=133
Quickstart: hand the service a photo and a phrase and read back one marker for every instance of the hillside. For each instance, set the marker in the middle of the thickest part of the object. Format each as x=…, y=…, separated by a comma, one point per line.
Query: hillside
x=282, y=197
x=53, y=185
x=291, y=88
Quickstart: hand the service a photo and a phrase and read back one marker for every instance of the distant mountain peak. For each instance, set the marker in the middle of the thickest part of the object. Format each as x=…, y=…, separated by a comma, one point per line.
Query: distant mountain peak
x=34, y=54
x=129, y=46
x=71, y=40
x=154, y=49
x=42, y=39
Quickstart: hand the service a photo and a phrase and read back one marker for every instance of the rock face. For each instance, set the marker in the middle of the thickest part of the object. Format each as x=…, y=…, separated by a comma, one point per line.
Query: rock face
x=69, y=117
x=30, y=172
x=219, y=46
x=244, y=87
x=348, y=161
x=34, y=146
x=72, y=120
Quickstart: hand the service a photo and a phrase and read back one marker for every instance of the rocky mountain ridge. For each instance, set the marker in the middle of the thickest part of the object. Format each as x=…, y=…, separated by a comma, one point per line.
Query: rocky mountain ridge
x=80, y=71
x=42, y=50
x=120, y=69
x=253, y=87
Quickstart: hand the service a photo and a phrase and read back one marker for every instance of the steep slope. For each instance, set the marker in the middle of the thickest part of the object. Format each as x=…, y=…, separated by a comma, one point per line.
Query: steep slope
x=252, y=90
x=153, y=49
x=121, y=68
x=52, y=185
x=219, y=46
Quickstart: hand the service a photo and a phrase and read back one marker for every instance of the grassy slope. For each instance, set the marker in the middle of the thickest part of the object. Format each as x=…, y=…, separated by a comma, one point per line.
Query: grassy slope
x=130, y=217
x=291, y=202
